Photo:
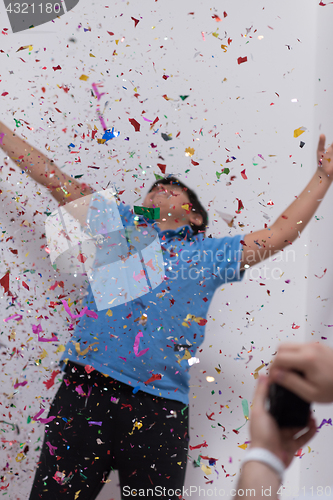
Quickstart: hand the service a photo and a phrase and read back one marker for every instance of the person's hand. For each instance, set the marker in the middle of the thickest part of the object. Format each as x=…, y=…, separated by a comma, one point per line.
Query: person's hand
x=315, y=361
x=325, y=157
x=265, y=432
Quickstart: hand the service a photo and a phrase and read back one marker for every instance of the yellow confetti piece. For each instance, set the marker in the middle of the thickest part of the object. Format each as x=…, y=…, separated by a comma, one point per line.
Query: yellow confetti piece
x=224, y=47
x=207, y=470
x=61, y=348
x=299, y=131
x=189, y=151
x=309, y=449
x=137, y=425
x=27, y=254
x=218, y=370
x=101, y=141
x=91, y=55
x=109, y=312
x=83, y=353
x=243, y=446
x=77, y=494
x=84, y=78
x=255, y=373
x=19, y=457
x=44, y=354
x=186, y=206
x=69, y=302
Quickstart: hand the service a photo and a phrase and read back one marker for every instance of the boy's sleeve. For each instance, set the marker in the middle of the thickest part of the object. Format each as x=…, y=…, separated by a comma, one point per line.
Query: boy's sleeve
x=105, y=216
x=223, y=256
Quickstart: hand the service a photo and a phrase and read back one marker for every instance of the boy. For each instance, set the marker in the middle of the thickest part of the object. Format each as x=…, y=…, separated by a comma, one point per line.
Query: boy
x=123, y=401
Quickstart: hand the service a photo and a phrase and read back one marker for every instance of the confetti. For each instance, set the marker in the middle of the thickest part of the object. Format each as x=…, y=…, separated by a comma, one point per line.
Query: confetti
x=299, y=131
x=135, y=124
x=241, y=60
x=136, y=345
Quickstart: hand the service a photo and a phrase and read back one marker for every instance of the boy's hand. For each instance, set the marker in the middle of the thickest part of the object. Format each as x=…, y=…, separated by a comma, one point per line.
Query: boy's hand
x=265, y=432
x=325, y=158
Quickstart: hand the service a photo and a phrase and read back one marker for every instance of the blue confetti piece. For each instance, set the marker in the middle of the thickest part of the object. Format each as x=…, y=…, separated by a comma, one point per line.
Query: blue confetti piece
x=110, y=134
x=136, y=389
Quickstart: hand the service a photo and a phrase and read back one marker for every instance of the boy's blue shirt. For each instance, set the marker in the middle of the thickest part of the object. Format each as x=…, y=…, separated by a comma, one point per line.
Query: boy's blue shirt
x=194, y=267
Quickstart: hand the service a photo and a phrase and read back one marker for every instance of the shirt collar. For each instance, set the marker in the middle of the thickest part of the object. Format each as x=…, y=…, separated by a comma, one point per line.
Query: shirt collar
x=183, y=231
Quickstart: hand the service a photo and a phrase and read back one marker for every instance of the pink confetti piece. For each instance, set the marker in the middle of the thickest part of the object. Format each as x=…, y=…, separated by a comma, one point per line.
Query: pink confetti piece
x=1, y=137
x=42, y=420
x=94, y=86
x=139, y=276
x=243, y=174
x=18, y=317
x=52, y=448
x=80, y=391
x=20, y=383
x=136, y=345
x=322, y=275
x=84, y=311
x=37, y=329
x=94, y=423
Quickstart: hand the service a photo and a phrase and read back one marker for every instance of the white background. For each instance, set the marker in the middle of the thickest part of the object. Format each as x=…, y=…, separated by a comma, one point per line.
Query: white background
x=233, y=110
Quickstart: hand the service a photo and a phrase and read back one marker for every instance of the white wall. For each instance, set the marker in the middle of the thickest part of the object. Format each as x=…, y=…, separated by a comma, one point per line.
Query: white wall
x=244, y=111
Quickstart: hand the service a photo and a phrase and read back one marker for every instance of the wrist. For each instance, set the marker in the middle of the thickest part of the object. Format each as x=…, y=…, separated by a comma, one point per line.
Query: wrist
x=266, y=457
x=322, y=174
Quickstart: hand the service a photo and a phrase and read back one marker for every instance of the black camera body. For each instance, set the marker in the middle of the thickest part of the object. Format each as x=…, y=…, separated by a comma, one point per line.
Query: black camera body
x=288, y=409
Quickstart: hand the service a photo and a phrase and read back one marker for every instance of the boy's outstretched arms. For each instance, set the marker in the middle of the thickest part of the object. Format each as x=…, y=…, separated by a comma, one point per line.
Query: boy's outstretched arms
x=261, y=244
x=40, y=168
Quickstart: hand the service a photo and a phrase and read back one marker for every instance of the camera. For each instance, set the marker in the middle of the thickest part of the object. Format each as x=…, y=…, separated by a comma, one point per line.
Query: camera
x=288, y=409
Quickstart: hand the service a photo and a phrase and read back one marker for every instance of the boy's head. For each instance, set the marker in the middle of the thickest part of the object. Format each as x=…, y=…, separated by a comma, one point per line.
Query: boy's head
x=178, y=204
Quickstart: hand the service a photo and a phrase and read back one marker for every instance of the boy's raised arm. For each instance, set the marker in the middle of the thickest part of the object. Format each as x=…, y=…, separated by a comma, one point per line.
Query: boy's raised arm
x=40, y=168
x=261, y=244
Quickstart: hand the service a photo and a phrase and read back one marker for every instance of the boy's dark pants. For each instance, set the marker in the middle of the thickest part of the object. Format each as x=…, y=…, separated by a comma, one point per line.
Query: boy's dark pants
x=101, y=425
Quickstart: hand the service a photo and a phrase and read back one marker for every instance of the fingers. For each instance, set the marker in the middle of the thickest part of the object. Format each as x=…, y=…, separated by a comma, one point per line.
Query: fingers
x=294, y=382
x=261, y=392
x=321, y=143
x=302, y=440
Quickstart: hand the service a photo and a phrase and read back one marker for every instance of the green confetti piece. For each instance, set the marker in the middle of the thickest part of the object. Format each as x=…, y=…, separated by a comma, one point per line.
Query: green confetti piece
x=151, y=213
x=78, y=176
x=29, y=419
x=158, y=177
x=226, y=170
x=183, y=97
x=245, y=406
x=182, y=411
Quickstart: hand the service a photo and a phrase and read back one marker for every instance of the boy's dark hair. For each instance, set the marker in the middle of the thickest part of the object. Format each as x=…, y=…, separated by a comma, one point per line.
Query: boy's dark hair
x=196, y=205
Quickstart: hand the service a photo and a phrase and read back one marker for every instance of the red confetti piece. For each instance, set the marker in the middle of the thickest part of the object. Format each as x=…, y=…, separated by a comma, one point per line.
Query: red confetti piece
x=135, y=124
x=270, y=203
x=4, y=282
x=4, y=94
x=210, y=416
x=153, y=378
x=58, y=110
x=136, y=21
x=240, y=206
x=295, y=327
x=203, y=445
x=202, y=322
x=56, y=67
x=15, y=252
x=162, y=167
x=217, y=18
x=195, y=163
x=322, y=275
x=89, y=368
x=110, y=33
x=241, y=60
x=50, y=382
x=25, y=285
x=243, y=174
x=81, y=258
x=178, y=134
